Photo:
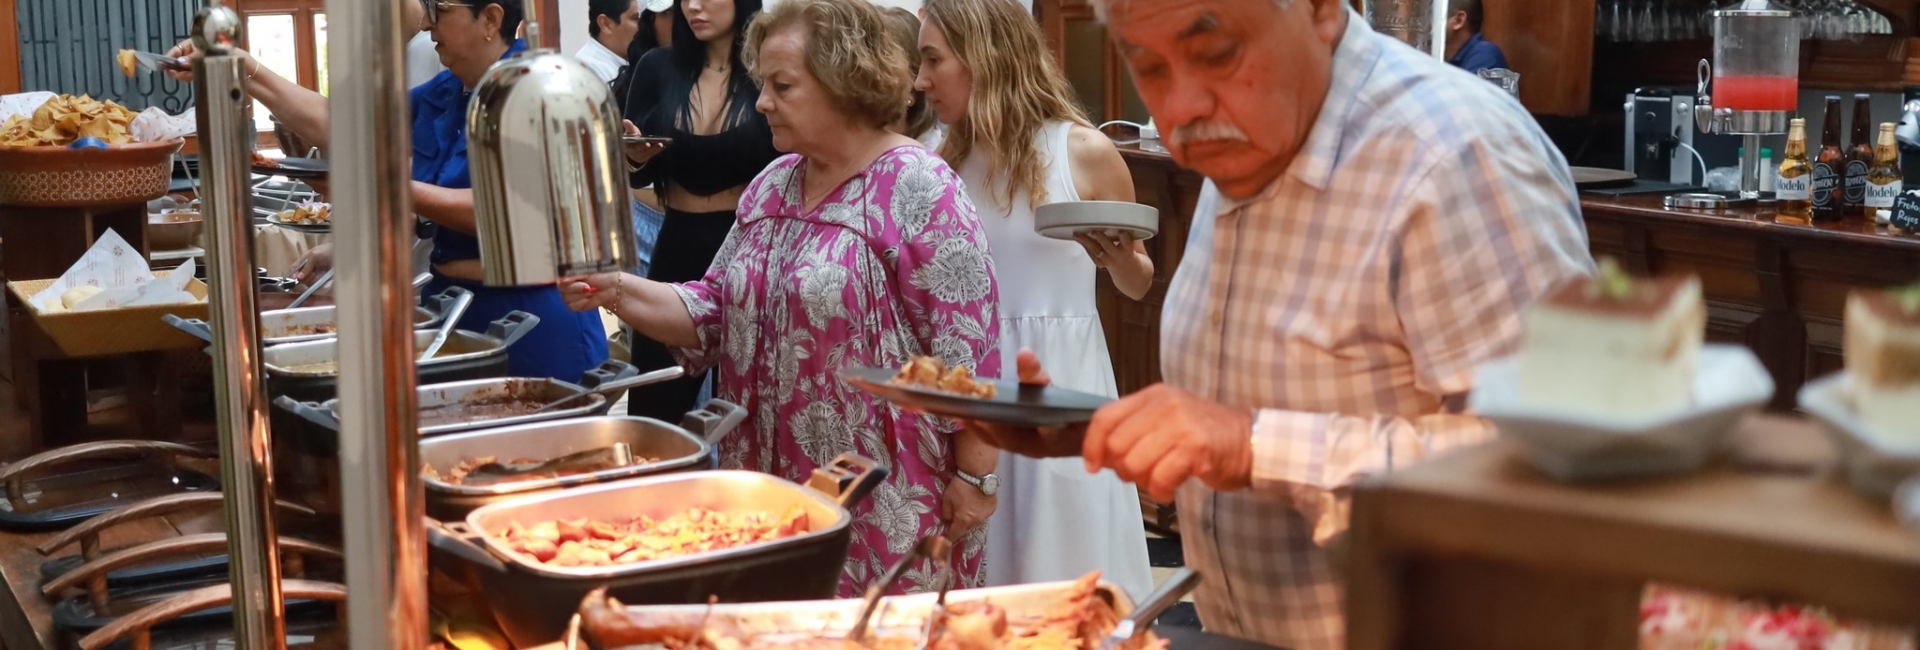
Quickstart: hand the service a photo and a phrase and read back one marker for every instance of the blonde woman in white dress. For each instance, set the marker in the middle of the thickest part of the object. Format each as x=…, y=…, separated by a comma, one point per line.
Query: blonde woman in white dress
x=1018, y=140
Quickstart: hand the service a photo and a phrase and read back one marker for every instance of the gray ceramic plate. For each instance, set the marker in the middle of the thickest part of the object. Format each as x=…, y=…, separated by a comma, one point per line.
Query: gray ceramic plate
x=1063, y=220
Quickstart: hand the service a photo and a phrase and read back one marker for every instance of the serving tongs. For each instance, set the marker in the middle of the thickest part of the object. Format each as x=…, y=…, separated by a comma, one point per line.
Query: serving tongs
x=87, y=535
x=609, y=389
x=1170, y=592
x=935, y=548
x=583, y=462
x=151, y=62
x=39, y=500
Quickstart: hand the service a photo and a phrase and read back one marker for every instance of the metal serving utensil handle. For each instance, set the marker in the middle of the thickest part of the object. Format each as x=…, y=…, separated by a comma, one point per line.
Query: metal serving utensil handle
x=1157, y=603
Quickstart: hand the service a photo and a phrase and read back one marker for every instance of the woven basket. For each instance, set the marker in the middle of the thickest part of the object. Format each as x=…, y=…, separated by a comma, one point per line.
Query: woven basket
x=125, y=330
x=48, y=177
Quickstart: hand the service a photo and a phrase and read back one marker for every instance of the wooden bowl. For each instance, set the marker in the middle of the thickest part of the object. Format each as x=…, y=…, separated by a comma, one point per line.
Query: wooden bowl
x=62, y=177
x=173, y=230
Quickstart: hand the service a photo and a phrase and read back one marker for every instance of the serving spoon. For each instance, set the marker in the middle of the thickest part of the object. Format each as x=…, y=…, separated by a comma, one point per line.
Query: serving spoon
x=618, y=455
x=461, y=301
x=617, y=385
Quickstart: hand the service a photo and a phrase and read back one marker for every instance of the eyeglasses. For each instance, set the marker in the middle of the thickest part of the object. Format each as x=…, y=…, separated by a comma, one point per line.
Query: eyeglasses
x=434, y=7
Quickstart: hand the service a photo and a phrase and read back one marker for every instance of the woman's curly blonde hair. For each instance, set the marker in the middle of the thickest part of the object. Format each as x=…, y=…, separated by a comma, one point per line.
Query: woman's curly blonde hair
x=1017, y=90
x=848, y=49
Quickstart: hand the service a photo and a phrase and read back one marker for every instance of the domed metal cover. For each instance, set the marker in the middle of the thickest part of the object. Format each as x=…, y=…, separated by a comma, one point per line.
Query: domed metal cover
x=549, y=183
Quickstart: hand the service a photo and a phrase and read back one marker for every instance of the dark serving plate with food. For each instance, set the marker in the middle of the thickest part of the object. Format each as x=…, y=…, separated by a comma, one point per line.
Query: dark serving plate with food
x=967, y=398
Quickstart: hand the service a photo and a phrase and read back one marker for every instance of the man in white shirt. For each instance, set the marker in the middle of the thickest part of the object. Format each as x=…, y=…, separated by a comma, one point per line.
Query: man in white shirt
x=612, y=25
x=1374, y=224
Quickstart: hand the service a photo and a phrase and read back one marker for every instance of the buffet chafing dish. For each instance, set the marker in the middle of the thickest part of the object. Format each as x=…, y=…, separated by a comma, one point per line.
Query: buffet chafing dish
x=687, y=447
x=299, y=370
x=315, y=323
x=477, y=393
x=897, y=617
x=532, y=600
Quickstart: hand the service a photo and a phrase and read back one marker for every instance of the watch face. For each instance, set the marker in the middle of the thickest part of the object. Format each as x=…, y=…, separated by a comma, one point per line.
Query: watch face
x=990, y=484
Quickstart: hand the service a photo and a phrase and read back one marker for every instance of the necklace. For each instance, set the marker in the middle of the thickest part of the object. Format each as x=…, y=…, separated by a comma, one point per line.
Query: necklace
x=718, y=68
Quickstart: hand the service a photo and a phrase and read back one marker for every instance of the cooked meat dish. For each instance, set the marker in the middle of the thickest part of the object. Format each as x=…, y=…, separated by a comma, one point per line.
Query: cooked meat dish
x=588, y=543
x=928, y=372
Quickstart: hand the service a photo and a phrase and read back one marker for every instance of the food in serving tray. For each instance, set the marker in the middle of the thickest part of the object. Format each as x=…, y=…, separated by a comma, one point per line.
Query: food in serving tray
x=1882, y=349
x=589, y=543
x=1613, y=345
x=261, y=160
x=1081, y=619
x=308, y=214
x=1683, y=619
x=928, y=372
x=461, y=473
x=66, y=118
x=128, y=62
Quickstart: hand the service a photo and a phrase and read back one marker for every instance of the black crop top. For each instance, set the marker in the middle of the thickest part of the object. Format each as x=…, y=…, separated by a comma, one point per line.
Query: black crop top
x=703, y=165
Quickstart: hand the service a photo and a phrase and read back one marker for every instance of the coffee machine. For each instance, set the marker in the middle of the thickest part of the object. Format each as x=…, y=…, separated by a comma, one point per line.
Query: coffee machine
x=1659, y=121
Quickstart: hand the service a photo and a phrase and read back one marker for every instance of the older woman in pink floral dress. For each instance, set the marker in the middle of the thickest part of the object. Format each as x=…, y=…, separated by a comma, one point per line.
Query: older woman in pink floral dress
x=858, y=249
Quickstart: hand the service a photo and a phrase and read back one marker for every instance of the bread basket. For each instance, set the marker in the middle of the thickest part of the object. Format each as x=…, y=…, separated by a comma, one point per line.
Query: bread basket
x=63, y=177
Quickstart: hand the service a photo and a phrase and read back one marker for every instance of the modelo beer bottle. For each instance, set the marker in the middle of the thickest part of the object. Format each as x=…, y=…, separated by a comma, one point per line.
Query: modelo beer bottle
x=1883, y=178
x=1829, y=168
x=1795, y=177
x=1859, y=158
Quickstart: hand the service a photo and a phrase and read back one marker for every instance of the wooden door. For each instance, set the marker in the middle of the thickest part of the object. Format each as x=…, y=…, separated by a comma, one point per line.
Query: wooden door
x=9, y=47
x=1551, y=45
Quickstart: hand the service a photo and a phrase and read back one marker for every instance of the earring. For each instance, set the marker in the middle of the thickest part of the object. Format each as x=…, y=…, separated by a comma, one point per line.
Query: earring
x=489, y=38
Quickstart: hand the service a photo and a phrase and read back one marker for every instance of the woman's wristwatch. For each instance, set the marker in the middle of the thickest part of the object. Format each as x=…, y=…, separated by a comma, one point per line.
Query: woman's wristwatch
x=989, y=485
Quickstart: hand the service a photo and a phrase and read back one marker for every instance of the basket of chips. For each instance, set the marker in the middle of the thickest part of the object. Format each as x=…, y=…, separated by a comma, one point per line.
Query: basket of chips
x=79, y=152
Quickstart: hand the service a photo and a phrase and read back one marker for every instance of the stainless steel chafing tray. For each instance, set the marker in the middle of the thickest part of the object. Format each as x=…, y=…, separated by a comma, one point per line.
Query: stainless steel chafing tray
x=674, y=449
x=538, y=390
x=532, y=600
x=296, y=325
x=896, y=617
x=286, y=360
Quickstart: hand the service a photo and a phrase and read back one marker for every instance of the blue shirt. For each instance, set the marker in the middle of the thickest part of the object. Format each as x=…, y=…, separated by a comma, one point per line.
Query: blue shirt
x=440, y=150
x=1478, y=54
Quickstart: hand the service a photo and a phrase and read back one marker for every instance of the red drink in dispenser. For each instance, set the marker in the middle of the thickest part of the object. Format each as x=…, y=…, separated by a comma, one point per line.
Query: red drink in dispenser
x=1756, y=93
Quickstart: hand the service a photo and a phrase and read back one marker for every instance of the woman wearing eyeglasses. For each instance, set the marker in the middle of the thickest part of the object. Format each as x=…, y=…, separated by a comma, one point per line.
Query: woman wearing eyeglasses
x=470, y=37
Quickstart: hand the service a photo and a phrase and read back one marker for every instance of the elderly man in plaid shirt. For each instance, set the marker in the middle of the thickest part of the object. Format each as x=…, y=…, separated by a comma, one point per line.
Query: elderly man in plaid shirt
x=1374, y=225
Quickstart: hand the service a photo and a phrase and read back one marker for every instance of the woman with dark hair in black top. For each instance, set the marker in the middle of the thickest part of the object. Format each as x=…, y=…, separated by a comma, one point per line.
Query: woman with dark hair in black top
x=698, y=93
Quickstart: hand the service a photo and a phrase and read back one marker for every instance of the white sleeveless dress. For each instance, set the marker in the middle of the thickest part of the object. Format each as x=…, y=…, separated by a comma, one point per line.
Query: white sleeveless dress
x=1055, y=521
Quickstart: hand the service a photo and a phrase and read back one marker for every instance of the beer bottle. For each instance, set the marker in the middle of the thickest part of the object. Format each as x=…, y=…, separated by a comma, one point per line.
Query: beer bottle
x=1883, y=178
x=1829, y=167
x=1795, y=177
x=1859, y=157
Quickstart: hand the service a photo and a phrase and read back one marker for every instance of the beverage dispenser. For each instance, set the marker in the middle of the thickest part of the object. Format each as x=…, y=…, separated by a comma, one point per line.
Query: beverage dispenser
x=1755, y=80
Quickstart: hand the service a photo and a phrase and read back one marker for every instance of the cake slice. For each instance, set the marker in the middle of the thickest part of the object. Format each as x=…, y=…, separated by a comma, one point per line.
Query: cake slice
x=1614, y=346
x=1882, y=349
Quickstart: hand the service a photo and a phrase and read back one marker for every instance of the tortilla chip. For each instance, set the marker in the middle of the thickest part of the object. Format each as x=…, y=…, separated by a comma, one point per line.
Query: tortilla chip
x=64, y=119
x=127, y=62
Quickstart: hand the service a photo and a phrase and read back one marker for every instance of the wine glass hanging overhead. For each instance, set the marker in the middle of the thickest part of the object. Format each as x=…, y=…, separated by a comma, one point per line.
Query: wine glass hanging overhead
x=1651, y=21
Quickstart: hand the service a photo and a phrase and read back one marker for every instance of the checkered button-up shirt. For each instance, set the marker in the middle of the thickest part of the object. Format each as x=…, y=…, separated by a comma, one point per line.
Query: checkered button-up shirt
x=1348, y=305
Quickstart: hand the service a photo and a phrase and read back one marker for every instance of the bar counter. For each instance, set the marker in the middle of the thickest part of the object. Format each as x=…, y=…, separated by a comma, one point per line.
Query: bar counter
x=1779, y=288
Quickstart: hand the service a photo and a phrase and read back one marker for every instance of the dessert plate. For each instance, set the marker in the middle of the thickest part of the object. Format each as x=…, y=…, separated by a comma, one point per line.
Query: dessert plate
x=1065, y=219
x=1016, y=404
x=1875, y=462
x=1729, y=382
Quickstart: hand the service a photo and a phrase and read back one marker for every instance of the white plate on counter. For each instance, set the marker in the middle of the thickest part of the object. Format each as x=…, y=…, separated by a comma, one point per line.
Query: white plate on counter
x=1065, y=219
x=1875, y=462
x=1729, y=383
